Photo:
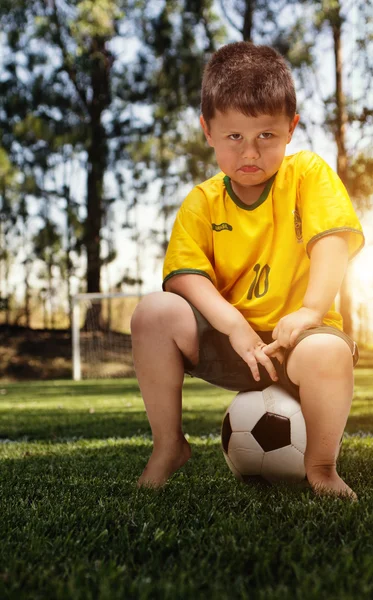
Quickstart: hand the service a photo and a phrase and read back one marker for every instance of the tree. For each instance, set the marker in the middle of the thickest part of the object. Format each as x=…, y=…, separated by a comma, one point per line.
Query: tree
x=333, y=15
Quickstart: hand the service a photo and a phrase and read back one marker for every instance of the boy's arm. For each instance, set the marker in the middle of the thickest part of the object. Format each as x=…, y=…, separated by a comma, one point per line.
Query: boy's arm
x=200, y=292
x=224, y=317
x=329, y=259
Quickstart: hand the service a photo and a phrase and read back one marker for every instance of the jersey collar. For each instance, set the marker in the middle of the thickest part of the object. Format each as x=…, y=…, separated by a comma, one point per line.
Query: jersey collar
x=263, y=196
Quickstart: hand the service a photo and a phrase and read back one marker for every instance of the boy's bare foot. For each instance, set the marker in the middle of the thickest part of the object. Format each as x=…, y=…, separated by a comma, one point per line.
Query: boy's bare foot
x=163, y=463
x=325, y=481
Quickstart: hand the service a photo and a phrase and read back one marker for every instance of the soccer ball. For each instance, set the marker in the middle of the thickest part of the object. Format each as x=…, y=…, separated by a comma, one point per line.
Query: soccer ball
x=264, y=436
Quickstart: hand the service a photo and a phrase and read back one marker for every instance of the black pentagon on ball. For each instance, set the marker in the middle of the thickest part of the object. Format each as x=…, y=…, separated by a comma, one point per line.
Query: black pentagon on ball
x=226, y=432
x=272, y=431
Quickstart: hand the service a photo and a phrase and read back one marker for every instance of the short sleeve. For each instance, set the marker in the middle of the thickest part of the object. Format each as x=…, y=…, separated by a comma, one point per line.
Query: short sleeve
x=190, y=249
x=324, y=205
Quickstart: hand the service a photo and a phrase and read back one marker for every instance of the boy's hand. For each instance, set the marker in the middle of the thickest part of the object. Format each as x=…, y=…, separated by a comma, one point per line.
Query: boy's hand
x=288, y=328
x=250, y=347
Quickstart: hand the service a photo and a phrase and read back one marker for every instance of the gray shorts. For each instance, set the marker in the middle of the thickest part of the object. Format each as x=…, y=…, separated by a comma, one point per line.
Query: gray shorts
x=220, y=365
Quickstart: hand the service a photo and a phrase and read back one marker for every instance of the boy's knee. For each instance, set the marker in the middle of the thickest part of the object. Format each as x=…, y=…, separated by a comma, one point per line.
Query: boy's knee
x=156, y=309
x=320, y=354
x=146, y=310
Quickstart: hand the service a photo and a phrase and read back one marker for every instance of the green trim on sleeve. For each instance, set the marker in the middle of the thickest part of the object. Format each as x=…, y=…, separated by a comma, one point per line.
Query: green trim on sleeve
x=337, y=230
x=263, y=196
x=185, y=272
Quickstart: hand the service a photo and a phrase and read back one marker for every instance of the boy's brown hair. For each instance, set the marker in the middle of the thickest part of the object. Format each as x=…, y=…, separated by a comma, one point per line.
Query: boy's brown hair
x=254, y=80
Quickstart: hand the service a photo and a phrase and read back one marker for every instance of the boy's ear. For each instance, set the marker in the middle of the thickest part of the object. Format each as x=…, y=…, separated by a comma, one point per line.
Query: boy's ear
x=206, y=130
x=292, y=127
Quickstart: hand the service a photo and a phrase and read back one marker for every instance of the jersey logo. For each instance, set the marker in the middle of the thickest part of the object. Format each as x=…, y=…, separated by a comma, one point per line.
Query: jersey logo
x=222, y=226
x=298, y=226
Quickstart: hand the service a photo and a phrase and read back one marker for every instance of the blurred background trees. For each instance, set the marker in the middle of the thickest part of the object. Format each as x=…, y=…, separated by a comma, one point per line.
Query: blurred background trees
x=99, y=103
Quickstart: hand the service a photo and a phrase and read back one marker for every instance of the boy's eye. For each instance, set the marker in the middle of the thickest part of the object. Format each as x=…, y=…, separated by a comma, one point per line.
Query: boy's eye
x=235, y=136
x=265, y=135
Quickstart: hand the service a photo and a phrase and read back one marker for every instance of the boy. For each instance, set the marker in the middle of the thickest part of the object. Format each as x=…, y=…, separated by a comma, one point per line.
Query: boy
x=256, y=257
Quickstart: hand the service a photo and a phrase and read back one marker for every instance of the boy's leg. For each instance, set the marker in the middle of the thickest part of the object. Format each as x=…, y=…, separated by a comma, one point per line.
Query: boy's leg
x=163, y=330
x=321, y=365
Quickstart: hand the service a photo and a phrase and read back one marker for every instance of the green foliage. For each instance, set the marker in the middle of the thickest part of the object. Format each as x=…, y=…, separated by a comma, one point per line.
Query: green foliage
x=199, y=157
x=95, y=18
x=5, y=166
x=48, y=243
x=360, y=180
x=330, y=12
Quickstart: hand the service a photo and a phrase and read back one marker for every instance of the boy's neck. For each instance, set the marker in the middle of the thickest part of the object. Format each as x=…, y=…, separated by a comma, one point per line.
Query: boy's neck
x=248, y=195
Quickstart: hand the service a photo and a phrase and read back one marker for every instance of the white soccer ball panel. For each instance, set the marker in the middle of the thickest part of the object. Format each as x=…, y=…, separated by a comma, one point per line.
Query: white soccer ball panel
x=284, y=464
x=232, y=467
x=243, y=439
x=298, y=432
x=246, y=409
x=245, y=453
x=279, y=401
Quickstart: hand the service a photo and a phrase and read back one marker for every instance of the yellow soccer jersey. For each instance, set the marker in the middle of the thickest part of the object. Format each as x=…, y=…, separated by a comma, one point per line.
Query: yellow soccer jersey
x=257, y=256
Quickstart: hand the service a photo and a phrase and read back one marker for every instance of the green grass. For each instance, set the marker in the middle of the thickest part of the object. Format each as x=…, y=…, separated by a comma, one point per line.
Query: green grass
x=74, y=526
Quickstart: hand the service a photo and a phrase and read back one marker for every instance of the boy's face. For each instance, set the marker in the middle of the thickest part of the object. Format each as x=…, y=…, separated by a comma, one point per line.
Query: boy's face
x=249, y=149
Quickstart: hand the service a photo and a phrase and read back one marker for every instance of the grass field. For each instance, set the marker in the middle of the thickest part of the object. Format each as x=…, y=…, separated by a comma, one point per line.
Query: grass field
x=74, y=526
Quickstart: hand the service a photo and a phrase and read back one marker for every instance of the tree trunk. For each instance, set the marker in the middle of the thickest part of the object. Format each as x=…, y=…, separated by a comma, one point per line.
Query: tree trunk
x=248, y=20
x=7, y=288
x=342, y=166
x=27, y=263
x=69, y=270
x=97, y=159
x=94, y=209
x=44, y=302
x=27, y=293
x=341, y=113
x=50, y=293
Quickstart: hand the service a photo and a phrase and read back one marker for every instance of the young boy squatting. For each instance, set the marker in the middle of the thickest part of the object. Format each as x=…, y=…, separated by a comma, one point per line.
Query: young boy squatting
x=255, y=260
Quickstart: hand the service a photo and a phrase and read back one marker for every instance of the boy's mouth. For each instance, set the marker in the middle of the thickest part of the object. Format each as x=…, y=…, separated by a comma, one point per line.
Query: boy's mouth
x=249, y=169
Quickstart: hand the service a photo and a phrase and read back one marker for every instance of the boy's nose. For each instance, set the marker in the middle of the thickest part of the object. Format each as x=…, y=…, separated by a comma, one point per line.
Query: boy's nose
x=250, y=151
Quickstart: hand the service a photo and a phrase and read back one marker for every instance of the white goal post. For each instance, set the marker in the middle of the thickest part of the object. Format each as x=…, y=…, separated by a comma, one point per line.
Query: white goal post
x=100, y=334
